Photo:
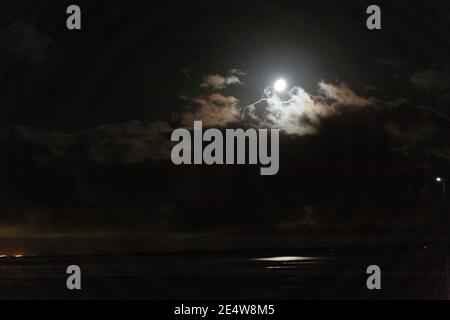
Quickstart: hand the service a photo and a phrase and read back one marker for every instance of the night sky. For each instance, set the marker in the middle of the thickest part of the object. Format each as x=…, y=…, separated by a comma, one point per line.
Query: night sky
x=86, y=118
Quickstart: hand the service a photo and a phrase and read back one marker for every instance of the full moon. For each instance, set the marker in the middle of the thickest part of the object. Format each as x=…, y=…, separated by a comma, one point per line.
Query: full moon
x=280, y=85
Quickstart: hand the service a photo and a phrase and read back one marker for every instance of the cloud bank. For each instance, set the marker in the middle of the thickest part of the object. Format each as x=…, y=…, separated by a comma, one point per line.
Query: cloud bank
x=297, y=114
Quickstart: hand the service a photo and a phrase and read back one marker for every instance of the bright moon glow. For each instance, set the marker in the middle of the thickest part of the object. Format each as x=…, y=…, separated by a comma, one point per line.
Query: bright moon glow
x=280, y=85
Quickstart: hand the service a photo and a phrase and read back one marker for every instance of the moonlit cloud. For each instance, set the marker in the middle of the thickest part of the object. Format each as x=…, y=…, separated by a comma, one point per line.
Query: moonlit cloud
x=238, y=72
x=301, y=113
x=296, y=116
x=342, y=94
x=215, y=110
x=218, y=82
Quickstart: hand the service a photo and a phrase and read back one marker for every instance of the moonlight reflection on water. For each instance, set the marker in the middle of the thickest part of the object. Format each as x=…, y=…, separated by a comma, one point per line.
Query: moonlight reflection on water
x=286, y=259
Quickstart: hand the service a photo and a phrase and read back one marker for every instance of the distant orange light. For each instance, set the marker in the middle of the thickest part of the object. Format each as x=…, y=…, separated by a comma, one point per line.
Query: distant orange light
x=18, y=255
x=3, y=256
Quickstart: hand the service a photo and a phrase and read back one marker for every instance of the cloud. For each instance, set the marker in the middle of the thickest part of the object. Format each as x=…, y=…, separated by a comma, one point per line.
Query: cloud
x=418, y=129
x=389, y=63
x=238, y=72
x=342, y=94
x=131, y=142
x=22, y=40
x=300, y=113
x=297, y=116
x=431, y=79
x=370, y=88
x=297, y=113
x=215, y=110
x=187, y=72
x=218, y=82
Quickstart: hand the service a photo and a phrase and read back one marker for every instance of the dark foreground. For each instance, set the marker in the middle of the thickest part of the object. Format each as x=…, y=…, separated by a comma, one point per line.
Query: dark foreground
x=407, y=273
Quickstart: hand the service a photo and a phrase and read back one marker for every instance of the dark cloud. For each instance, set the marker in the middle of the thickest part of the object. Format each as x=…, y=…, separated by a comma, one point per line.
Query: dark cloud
x=389, y=63
x=431, y=79
x=22, y=40
x=419, y=128
x=187, y=72
x=131, y=142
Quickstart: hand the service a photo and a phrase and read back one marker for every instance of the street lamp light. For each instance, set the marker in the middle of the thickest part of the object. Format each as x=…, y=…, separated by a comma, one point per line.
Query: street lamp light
x=442, y=181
